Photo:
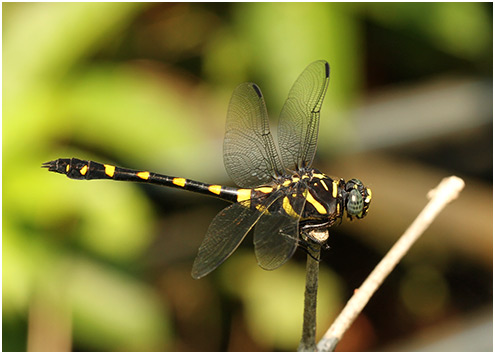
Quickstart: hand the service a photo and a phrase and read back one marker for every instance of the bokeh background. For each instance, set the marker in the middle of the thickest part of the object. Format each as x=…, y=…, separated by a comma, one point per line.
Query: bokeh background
x=105, y=266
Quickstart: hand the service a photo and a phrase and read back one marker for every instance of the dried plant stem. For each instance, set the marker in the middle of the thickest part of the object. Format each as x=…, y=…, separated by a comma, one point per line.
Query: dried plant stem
x=443, y=194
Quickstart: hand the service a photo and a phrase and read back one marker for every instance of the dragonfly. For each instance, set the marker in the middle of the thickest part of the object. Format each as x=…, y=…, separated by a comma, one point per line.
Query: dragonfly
x=278, y=193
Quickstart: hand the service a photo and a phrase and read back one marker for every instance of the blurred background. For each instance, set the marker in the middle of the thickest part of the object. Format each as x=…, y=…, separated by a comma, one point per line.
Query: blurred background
x=105, y=266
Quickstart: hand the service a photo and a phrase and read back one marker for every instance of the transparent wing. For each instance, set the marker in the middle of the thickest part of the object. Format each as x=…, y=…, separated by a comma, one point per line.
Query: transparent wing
x=276, y=234
x=300, y=116
x=225, y=233
x=249, y=153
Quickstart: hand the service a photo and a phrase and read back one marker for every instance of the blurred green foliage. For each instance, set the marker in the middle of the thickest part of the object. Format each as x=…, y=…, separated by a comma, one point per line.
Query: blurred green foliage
x=274, y=313
x=147, y=86
x=461, y=29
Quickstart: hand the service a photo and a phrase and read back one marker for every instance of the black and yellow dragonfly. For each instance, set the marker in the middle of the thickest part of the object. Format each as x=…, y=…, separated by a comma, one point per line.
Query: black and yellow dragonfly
x=280, y=194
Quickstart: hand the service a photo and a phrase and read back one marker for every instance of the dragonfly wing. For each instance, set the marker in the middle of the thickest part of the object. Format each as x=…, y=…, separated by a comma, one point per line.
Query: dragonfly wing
x=249, y=152
x=300, y=116
x=226, y=232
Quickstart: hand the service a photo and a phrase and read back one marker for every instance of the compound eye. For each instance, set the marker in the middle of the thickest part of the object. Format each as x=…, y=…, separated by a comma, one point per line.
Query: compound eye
x=355, y=203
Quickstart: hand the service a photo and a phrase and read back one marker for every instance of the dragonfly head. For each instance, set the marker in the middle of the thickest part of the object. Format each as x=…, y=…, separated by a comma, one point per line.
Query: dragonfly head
x=357, y=199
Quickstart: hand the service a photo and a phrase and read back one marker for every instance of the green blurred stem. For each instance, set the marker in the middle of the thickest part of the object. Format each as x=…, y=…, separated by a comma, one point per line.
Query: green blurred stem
x=308, y=341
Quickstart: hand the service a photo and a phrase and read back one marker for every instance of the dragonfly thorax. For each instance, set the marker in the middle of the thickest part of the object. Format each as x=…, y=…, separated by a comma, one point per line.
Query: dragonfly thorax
x=325, y=199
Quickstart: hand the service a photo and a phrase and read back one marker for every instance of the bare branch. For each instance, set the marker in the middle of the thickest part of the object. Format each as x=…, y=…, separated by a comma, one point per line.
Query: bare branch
x=448, y=190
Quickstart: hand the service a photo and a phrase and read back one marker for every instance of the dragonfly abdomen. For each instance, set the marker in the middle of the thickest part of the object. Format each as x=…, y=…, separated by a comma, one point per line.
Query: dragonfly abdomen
x=83, y=169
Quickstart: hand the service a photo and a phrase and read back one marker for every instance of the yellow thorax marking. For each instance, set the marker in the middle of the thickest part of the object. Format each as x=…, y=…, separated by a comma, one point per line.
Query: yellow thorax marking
x=83, y=170
x=324, y=185
x=319, y=208
x=288, y=208
x=215, y=189
x=179, y=181
x=286, y=183
x=109, y=170
x=262, y=208
x=264, y=189
x=67, y=168
x=243, y=194
x=143, y=175
x=335, y=184
x=319, y=175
